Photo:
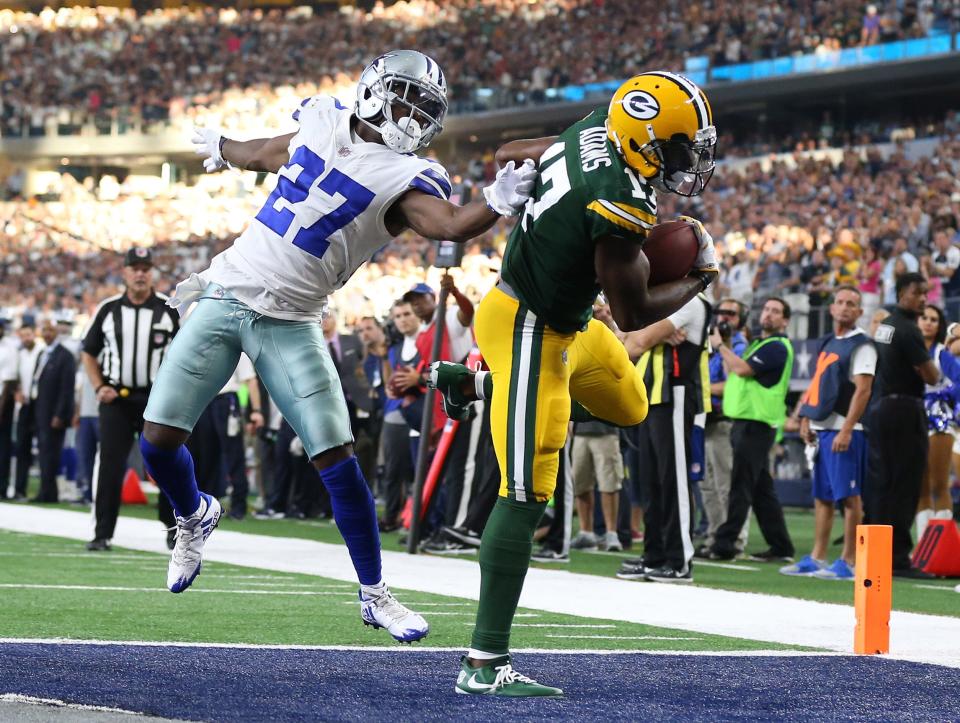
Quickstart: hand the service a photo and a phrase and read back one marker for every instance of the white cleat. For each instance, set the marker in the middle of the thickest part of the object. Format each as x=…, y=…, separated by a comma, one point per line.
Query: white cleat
x=192, y=533
x=384, y=611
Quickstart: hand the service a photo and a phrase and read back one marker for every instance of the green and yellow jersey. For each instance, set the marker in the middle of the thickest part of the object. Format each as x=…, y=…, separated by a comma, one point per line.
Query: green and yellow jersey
x=584, y=192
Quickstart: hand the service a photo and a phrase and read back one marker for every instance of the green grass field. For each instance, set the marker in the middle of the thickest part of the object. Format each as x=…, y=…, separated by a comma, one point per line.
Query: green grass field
x=52, y=588
x=935, y=597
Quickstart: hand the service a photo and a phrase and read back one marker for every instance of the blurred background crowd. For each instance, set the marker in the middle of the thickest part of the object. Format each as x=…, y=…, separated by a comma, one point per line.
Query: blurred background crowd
x=233, y=67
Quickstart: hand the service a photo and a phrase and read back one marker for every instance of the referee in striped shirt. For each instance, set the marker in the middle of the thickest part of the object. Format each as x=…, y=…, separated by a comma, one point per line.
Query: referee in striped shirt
x=121, y=354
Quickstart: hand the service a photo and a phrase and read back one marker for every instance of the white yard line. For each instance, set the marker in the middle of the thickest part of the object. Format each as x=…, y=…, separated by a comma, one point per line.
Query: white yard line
x=31, y=700
x=420, y=648
x=555, y=626
x=753, y=616
x=621, y=637
x=725, y=566
x=114, y=588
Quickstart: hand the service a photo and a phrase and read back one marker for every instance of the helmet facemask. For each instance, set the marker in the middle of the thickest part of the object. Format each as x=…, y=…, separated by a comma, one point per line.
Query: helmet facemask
x=411, y=112
x=684, y=167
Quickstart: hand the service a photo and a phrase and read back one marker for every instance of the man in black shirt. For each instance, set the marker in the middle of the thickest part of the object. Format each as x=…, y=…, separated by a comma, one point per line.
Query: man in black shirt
x=899, y=425
x=121, y=353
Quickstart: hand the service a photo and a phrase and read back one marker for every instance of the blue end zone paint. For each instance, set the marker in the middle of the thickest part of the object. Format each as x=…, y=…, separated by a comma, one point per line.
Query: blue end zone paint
x=229, y=684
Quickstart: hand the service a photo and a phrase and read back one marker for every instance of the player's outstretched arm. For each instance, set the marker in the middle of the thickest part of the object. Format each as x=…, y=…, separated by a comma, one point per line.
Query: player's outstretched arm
x=261, y=154
x=519, y=150
x=623, y=272
x=436, y=218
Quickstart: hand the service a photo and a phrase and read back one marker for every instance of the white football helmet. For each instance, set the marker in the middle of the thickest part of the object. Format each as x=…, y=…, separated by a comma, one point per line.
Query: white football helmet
x=403, y=96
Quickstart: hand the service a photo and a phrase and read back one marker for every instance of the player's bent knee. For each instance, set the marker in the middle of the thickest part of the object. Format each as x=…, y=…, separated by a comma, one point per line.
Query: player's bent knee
x=332, y=456
x=164, y=436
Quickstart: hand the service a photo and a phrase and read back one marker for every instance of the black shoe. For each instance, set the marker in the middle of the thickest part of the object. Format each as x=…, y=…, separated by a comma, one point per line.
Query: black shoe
x=463, y=535
x=268, y=514
x=722, y=555
x=913, y=573
x=838, y=541
x=770, y=556
x=238, y=515
x=443, y=545
x=17, y=497
x=634, y=568
x=702, y=552
x=387, y=526
x=171, y=537
x=98, y=544
x=548, y=554
x=668, y=574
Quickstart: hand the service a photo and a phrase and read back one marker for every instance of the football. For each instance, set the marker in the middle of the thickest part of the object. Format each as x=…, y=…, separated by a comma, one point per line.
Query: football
x=671, y=248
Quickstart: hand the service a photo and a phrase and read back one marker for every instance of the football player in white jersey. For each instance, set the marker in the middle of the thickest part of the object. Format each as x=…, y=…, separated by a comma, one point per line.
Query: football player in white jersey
x=348, y=181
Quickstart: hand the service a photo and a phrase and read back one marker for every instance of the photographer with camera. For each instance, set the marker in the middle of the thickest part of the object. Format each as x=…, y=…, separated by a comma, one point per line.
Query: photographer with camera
x=754, y=397
x=731, y=318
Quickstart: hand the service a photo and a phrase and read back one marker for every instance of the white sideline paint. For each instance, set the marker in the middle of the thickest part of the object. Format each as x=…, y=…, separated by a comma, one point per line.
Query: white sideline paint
x=424, y=648
x=31, y=700
x=753, y=616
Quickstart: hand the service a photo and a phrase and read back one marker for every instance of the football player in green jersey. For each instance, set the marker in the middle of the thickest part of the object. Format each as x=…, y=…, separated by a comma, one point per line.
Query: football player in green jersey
x=581, y=232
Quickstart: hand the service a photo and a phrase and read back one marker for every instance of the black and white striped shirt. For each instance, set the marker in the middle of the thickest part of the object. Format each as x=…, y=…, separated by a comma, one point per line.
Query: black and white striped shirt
x=131, y=340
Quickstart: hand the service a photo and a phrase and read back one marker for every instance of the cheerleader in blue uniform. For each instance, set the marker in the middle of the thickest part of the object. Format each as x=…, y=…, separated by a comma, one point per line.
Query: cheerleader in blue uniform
x=942, y=401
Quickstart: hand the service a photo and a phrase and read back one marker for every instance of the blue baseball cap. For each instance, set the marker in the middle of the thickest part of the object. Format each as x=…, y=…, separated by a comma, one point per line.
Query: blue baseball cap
x=419, y=289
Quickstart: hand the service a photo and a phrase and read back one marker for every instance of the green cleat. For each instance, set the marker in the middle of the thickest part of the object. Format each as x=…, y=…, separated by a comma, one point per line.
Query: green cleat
x=499, y=678
x=448, y=379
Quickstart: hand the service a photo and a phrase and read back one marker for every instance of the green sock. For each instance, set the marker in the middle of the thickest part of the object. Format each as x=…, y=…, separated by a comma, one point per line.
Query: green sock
x=504, y=559
x=488, y=386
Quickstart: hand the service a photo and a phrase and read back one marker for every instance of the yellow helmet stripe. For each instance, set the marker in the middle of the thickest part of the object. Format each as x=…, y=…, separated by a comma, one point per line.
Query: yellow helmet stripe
x=692, y=92
x=616, y=216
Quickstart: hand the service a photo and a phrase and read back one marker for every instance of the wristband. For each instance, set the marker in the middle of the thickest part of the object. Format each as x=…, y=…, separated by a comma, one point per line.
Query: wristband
x=704, y=276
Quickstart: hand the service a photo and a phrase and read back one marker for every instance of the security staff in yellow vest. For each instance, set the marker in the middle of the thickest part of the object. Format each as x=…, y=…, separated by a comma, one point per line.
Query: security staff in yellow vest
x=755, y=399
x=673, y=357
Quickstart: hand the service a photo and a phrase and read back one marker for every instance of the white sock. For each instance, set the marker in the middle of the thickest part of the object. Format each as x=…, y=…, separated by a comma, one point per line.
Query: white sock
x=374, y=590
x=943, y=515
x=482, y=655
x=478, y=378
x=922, y=518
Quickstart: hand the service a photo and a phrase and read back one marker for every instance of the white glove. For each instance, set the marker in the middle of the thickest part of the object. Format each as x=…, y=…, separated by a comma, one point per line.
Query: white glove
x=512, y=188
x=707, y=256
x=206, y=142
x=296, y=447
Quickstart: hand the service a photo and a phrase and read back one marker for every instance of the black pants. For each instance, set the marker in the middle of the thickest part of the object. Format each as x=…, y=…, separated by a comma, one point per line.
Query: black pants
x=558, y=536
x=397, y=469
x=486, y=477
x=6, y=442
x=219, y=457
x=120, y=421
x=664, y=438
x=49, y=449
x=454, y=468
x=751, y=484
x=899, y=442
x=26, y=428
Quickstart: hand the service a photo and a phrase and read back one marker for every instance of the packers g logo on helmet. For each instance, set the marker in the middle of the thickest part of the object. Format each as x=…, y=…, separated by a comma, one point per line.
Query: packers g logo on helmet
x=662, y=125
x=641, y=105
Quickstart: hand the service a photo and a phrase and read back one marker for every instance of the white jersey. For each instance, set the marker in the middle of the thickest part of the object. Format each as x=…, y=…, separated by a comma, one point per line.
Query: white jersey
x=325, y=217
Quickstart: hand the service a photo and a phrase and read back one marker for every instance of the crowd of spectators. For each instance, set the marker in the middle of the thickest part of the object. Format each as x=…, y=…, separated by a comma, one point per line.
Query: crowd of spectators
x=117, y=69
x=794, y=227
